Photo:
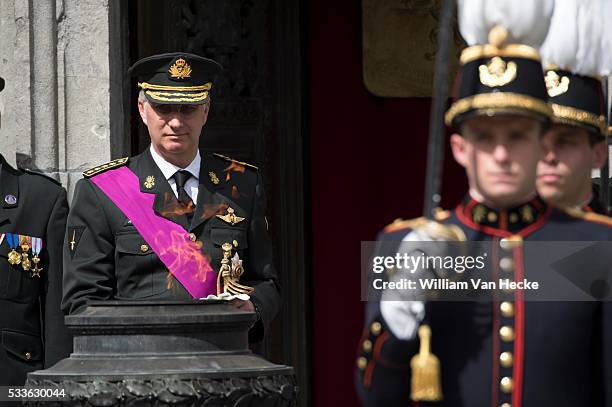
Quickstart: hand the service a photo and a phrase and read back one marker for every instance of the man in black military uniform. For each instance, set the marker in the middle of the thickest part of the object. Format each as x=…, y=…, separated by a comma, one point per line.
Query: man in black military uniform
x=218, y=203
x=505, y=352
x=32, y=223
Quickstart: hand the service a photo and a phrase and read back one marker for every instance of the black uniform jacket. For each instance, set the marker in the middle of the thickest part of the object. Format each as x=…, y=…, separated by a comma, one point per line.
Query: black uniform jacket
x=31, y=322
x=106, y=258
x=556, y=353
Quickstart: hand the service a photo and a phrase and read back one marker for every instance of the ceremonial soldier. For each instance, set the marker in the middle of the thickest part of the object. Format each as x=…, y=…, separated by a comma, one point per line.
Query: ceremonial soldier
x=576, y=142
x=505, y=352
x=32, y=223
x=161, y=225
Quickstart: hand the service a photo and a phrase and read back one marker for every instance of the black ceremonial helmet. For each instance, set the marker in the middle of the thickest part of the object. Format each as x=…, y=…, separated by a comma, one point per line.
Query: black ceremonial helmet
x=498, y=78
x=577, y=100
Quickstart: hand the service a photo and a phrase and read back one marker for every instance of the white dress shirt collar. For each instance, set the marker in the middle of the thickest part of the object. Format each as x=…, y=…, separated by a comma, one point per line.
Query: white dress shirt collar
x=169, y=169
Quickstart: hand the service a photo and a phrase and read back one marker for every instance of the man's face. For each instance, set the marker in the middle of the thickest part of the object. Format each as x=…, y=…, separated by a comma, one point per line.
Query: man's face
x=500, y=155
x=174, y=129
x=564, y=174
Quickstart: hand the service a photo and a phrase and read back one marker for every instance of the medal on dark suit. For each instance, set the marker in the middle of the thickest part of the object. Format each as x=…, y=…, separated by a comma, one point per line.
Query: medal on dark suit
x=36, y=248
x=13, y=257
x=24, y=242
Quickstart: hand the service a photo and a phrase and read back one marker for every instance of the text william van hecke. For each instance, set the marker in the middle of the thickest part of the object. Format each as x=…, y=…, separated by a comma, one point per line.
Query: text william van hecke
x=447, y=284
x=478, y=284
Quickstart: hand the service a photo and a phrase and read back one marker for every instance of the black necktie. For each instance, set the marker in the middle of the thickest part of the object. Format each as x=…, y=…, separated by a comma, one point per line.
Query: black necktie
x=181, y=178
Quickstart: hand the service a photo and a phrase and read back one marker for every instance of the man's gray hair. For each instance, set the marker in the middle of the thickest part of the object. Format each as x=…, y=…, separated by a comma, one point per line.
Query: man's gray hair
x=141, y=96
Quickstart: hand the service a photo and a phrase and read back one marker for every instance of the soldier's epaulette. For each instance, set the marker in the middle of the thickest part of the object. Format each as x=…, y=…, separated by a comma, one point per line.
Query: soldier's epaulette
x=588, y=216
x=399, y=224
x=50, y=178
x=105, y=167
x=226, y=158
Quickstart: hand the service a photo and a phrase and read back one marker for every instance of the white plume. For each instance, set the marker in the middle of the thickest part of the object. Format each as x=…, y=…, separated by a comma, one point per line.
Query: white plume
x=606, y=39
x=576, y=35
x=526, y=21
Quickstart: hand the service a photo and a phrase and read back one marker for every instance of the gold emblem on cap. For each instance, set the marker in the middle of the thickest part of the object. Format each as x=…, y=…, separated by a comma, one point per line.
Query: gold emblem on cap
x=556, y=85
x=497, y=72
x=149, y=182
x=180, y=69
x=213, y=178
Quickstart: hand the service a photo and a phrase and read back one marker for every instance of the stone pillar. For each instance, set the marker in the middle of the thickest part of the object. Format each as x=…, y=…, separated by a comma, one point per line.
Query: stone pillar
x=64, y=62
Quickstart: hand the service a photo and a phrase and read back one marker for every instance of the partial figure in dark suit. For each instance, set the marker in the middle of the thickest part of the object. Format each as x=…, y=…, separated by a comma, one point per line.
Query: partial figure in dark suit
x=200, y=208
x=507, y=350
x=33, y=214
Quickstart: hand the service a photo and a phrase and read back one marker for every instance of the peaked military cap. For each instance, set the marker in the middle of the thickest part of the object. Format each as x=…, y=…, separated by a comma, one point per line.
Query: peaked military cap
x=576, y=100
x=176, y=78
x=498, y=78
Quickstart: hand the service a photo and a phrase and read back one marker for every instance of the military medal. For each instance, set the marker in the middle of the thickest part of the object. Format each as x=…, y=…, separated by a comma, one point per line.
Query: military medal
x=13, y=257
x=230, y=217
x=24, y=242
x=36, y=248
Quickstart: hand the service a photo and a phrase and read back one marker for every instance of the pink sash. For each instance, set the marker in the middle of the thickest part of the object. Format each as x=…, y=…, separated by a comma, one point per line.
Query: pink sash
x=168, y=240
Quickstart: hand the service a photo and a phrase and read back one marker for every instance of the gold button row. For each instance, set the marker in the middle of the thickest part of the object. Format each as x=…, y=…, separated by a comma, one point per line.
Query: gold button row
x=509, y=243
x=506, y=359
x=506, y=333
x=506, y=384
x=507, y=309
x=362, y=363
x=506, y=264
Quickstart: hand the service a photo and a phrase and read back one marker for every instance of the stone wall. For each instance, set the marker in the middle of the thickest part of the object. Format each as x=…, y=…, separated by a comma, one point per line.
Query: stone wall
x=63, y=62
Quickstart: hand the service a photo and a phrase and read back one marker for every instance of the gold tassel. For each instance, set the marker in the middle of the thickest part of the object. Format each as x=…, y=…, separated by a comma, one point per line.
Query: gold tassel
x=425, y=366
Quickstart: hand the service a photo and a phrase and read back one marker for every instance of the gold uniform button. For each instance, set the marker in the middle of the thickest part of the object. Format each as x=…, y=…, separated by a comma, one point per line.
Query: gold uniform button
x=235, y=243
x=513, y=218
x=506, y=359
x=506, y=264
x=28, y=355
x=362, y=363
x=367, y=346
x=506, y=333
x=509, y=243
x=506, y=384
x=144, y=248
x=491, y=217
x=193, y=237
x=507, y=309
x=376, y=328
